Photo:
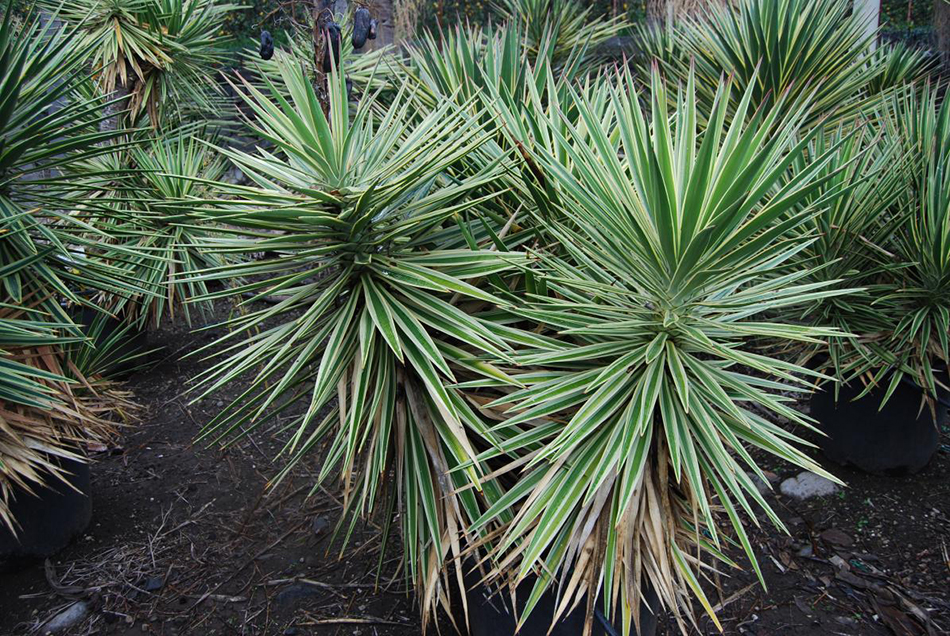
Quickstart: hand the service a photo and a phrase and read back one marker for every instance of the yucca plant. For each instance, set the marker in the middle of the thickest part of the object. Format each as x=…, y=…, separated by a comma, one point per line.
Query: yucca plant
x=784, y=51
x=898, y=64
x=518, y=96
x=569, y=25
x=162, y=56
x=885, y=240
x=474, y=66
x=637, y=422
x=919, y=339
x=44, y=127
x=378, y=284
x=47, y=410
x=853, y=246
x=145, y=209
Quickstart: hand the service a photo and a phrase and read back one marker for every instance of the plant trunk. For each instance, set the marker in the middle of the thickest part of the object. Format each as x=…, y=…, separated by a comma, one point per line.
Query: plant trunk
x=322, y=16
x=382, y=11
x=113, y=111
x=942, y=29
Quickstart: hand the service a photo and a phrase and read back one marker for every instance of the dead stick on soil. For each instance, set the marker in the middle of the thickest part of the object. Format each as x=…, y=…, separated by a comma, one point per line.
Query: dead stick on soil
x=734, y=597
x=369, y=620
x=220, y=597
x=355, y=586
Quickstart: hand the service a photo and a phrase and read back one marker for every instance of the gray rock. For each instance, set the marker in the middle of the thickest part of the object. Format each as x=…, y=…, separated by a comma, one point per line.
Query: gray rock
x=807, y=485
x=69, y=617
x=235, y=176
x=153, y=584
x=807, y=551
x=320, y=525
x=296, y=593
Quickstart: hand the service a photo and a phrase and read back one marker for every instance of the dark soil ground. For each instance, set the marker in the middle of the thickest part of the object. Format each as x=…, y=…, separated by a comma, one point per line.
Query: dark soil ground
x=186, y=540
x=869, y=560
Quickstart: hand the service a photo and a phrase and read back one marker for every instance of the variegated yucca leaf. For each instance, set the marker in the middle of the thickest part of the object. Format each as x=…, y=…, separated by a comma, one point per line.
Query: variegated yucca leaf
x=569, y=26
x=898, y=64
x=518, y=96
x=376, y=282
x=853, y=249
x=163, y=54
x=919, y=328
x=142, y=198
x=639, y=415
x=888, y=236
x=784, y=51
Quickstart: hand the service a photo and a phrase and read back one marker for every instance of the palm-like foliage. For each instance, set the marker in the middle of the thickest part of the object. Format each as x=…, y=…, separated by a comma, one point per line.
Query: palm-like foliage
x=887, y=241
x=919, y=339
x=569, y=25
x=162, y=53
x=639, y=417
x=785, y=50
x=45, y=412
x=43, y=130
x=516, y=93
x=475, y=66
x=852, y=250
x=146, y=212
x=898, y=64
x=376, y=281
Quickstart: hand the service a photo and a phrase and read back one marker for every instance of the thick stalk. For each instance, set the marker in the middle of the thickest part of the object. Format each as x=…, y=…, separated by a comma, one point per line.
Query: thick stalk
x=322, y=16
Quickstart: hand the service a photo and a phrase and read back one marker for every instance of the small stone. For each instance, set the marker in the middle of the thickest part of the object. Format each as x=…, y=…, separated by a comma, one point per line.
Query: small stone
x=807, y=551
x=807, y=485
x=320, y=525
x=291, y=631
x=837, y=537
x=154, y=583
x=69, y=617
x=235, y=175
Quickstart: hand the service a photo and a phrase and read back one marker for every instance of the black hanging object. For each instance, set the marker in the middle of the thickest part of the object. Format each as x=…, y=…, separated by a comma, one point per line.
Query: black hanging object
x=333, y=43
x=267, y=45
x=371, y=35
x=361, y=26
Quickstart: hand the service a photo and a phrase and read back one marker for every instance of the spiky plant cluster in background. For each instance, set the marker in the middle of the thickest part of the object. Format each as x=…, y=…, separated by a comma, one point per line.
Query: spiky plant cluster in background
x=161, y=55
x=814, y=50
x=145, y=214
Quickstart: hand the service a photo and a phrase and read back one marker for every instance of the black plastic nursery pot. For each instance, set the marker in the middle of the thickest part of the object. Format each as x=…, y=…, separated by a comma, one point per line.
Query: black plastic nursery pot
x=49, y=518
x=898, y=439
x=492, y=615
